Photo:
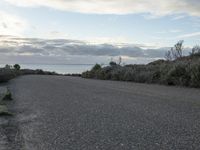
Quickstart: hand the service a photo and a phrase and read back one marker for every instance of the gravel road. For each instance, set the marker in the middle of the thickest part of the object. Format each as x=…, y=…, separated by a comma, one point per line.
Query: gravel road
x=69, y=113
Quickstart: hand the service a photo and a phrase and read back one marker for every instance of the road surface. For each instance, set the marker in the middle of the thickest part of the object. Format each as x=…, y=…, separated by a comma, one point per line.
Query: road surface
x=69, y=113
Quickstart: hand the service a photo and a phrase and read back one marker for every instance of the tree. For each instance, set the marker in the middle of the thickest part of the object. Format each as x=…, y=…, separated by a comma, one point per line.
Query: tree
x=8, y=66
x=175, y=52
x=112, y=64
x=17, y=67
x=120, y=60
x=168, y=55
x=96, y=67
x=195, y=50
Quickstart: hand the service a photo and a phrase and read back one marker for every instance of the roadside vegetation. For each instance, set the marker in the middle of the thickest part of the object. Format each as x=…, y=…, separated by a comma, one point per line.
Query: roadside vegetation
x=73, y=75
x=4, y=98
x=7, y=96
x=175, y=69
x=4, y=111
x=9, y=72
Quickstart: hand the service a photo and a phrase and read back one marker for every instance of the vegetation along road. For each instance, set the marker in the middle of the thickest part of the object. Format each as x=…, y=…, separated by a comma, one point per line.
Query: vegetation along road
x=70, y=113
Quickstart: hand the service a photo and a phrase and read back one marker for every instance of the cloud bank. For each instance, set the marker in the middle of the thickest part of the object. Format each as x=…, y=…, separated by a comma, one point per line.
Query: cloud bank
x=61, y=47
x=56, y=51
x=153, y=7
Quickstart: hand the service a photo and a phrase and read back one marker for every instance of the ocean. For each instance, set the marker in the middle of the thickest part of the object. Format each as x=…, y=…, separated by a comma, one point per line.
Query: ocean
x=59, y=68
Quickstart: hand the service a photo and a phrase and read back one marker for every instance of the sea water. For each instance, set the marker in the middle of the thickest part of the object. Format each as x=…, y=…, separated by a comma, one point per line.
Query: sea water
x=59, y=68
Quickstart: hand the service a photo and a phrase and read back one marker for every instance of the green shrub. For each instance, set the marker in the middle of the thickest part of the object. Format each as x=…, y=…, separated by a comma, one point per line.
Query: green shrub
x=86, y=74
x=179, y=75
x=129, y=74
x=8, y=67
x=7, y=95
x=195, y=74
x=96, y=67
x=100, y=75
x=117, y=73
x=4, y=111
x=182, y=70
x=17, y=67
x=94, y=73
x=40, y=72
x=7, y=74
x=157, y=62
x=112, y=64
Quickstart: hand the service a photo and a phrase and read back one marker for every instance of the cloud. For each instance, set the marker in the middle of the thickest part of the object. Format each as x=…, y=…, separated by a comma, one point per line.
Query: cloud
x=169, y=31
x=189, y=35
x=11, y=24
x=153, y=7
x=62, y=51
x=60, y=47
x=178, y=17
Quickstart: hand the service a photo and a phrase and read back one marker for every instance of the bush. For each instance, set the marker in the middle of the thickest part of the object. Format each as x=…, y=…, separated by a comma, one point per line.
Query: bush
x=129, y=75
x=7, y=74
x=96, y=67
x=112, y=64
x=180, y=70
x=86, y=74
x=8, y=67
x=17, y=67
x=195, y=74
x=94, y=73
x=178, y=75
x=40, y=71
x=7, y=96
x=157, y=62
x=4, y=111
x=184, y=72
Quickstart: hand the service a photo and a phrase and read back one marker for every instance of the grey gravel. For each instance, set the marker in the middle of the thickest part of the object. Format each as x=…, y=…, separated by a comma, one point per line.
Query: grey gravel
x=68, y=113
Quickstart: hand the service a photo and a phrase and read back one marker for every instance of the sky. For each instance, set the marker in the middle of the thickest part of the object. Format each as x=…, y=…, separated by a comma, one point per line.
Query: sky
x=95, y=31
